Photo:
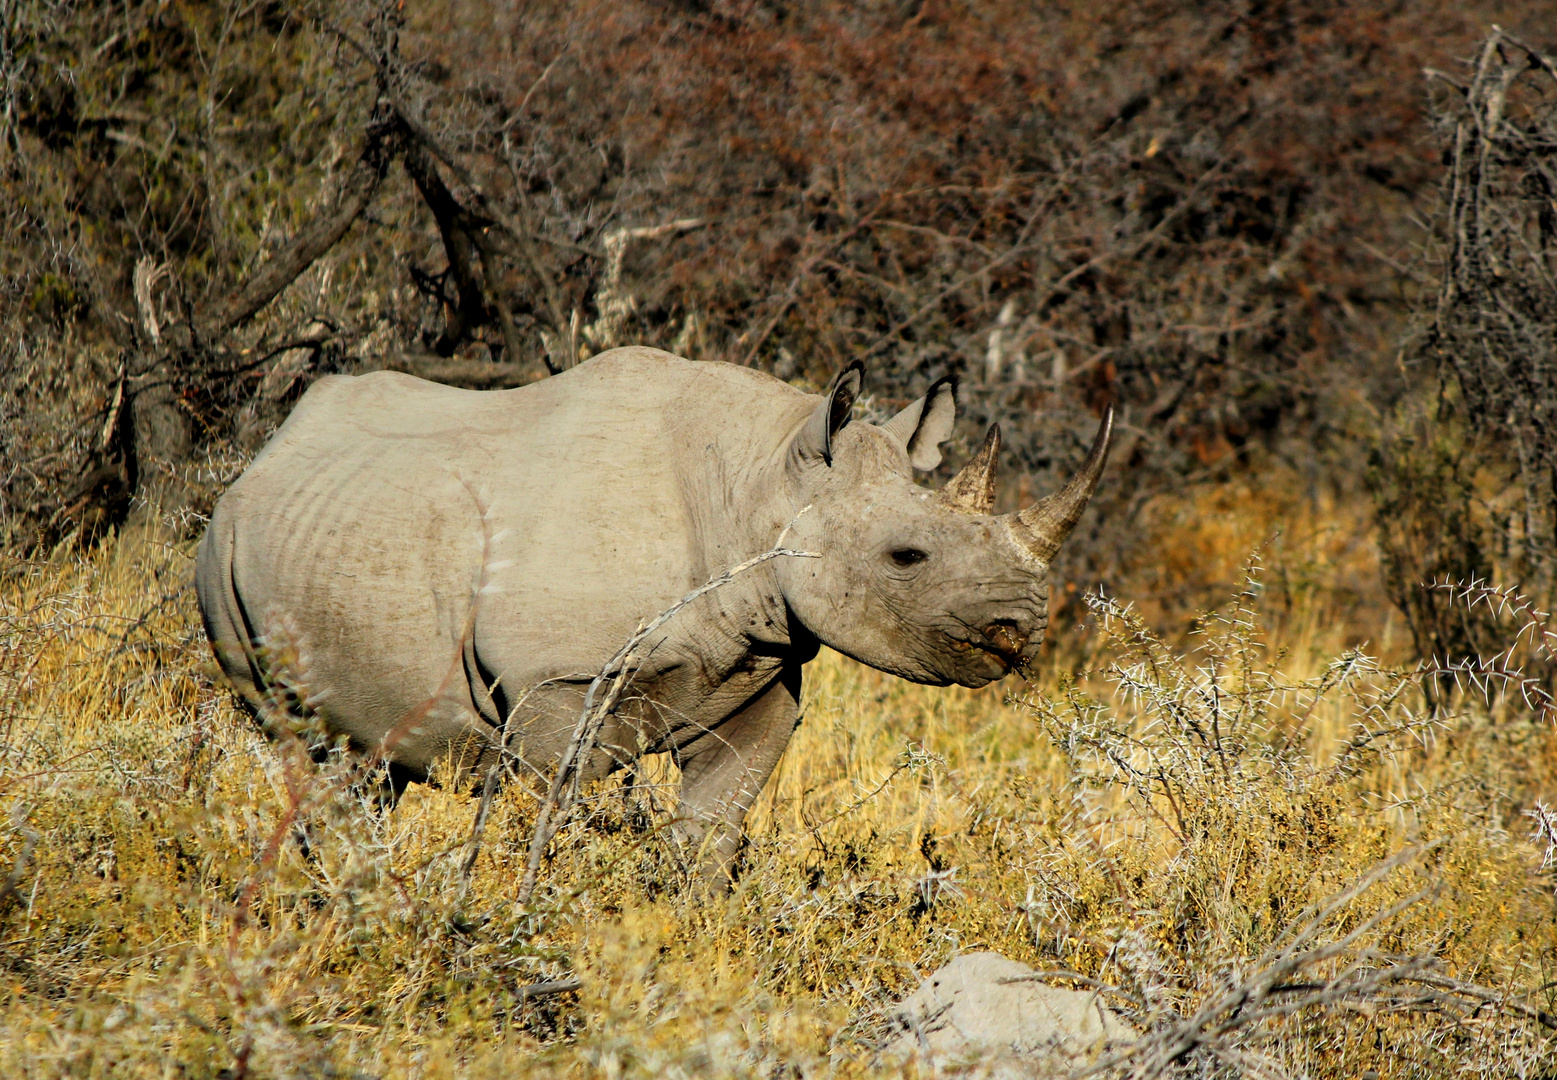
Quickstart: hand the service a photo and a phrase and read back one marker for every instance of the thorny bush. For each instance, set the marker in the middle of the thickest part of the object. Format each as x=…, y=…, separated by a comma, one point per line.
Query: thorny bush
x=1232, y=795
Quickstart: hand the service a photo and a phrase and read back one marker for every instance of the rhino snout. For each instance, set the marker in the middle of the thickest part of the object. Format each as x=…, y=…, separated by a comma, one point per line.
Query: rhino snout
x=1007, y=640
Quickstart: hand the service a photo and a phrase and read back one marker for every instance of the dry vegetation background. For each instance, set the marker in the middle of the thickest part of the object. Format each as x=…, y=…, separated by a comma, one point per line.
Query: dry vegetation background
x=1291, y=815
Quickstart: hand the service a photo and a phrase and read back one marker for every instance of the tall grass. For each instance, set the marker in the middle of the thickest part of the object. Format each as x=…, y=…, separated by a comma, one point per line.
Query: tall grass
x=1273, y=861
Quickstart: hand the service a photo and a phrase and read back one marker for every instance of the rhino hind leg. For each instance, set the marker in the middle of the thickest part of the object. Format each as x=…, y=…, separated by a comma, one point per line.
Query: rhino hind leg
x=723, y=772
x=264, y=661
x=227, y=624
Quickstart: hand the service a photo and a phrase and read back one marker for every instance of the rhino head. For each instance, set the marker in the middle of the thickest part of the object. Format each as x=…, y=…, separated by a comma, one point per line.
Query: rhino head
x=930, y=586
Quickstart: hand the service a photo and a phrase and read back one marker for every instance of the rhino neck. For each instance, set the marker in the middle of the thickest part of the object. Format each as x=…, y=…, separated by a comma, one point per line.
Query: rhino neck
x=737, y=498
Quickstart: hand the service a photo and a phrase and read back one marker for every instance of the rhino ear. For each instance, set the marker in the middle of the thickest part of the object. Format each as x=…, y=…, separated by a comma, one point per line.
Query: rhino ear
x=816, y=438
x=923, y=426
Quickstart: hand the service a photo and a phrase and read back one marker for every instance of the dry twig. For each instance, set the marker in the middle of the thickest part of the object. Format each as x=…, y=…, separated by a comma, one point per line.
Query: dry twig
x=613, y=680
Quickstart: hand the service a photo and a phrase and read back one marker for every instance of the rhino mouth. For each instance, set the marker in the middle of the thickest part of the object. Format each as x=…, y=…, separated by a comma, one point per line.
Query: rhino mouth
x=1009, y=644
x=1005, y=643
x=983, y=654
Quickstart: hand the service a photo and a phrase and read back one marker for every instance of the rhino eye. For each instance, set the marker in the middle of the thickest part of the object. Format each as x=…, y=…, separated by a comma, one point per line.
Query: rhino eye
x=908, y=556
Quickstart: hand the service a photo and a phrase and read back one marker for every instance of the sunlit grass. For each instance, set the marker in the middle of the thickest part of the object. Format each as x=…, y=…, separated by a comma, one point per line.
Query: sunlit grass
x=161, y=918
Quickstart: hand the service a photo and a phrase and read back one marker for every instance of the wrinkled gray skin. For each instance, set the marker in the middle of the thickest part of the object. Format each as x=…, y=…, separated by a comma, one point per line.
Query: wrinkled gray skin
x=347, y=561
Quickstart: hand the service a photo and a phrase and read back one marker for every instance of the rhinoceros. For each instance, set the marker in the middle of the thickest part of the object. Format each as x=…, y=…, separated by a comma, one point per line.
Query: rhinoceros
x=427, y=568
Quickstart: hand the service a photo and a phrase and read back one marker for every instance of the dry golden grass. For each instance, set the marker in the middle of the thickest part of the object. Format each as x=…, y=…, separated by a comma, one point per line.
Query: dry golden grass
x=161, y=919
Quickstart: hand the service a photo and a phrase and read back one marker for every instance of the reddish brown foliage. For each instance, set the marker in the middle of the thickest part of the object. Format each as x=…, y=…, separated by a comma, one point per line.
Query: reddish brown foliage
x=1208, y=213
x=1204, y=211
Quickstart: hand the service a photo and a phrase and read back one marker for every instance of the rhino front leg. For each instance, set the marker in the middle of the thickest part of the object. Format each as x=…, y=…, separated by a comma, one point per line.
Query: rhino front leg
x=724, y=770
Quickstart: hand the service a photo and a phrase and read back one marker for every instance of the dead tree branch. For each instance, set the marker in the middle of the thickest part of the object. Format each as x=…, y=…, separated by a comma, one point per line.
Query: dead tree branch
x=320, y=234
x=456, y=227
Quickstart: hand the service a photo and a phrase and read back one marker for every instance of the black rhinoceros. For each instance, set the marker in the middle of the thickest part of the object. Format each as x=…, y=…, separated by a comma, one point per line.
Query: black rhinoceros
x=439, y=562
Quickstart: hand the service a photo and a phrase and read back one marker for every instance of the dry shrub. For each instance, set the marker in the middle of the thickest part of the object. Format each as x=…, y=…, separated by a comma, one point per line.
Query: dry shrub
x=1237, y=805
x=181, y=894
x=1494, y=332
x=1465, y=473
x=1201, y=212
x=1324, y=584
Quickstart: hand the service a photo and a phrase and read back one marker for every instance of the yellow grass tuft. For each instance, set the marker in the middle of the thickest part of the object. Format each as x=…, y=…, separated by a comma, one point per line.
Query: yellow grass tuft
x=1166, y=822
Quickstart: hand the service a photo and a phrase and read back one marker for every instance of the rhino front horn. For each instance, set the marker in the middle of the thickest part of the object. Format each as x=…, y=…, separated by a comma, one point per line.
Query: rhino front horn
x=972, y=491
x=1047, y=523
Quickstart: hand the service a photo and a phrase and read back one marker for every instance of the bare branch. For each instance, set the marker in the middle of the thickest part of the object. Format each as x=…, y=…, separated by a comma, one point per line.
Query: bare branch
x=613, y=678
x=456, y=228
x=319, y=235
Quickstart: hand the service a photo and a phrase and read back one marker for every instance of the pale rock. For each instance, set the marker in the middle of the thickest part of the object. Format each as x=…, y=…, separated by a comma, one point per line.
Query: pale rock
x=982, y=1014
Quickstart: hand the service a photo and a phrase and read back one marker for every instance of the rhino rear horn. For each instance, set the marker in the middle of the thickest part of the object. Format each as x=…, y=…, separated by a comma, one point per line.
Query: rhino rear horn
x=972, y=490
x=1047, y=523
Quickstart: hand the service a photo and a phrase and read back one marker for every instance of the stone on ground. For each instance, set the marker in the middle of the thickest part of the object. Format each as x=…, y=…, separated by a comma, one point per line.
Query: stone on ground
x=985, y=1014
